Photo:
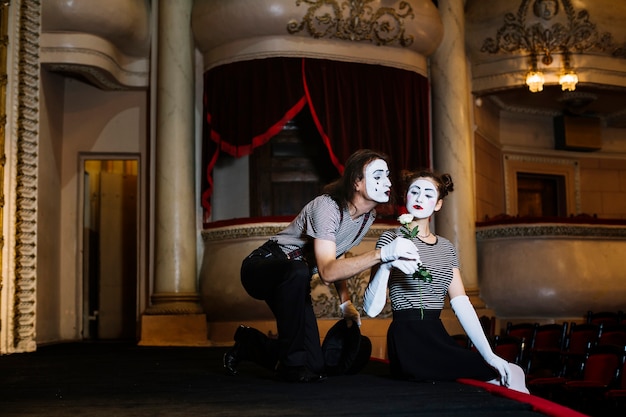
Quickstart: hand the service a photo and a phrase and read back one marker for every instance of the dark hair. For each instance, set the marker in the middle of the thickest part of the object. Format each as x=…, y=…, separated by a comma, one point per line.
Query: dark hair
x=443, y=182
x=342, y=189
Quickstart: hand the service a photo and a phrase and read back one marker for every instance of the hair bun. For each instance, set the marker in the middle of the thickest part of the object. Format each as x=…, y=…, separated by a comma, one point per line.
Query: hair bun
x=447, y=182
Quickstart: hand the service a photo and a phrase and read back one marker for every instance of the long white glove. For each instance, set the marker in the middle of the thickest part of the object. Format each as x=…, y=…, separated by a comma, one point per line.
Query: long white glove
x=399, y=248
x=349, y=311
x=469, y=320
x=376, y=292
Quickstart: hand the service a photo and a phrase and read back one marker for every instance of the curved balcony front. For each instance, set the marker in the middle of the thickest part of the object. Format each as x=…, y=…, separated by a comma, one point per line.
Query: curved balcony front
x=553, y=271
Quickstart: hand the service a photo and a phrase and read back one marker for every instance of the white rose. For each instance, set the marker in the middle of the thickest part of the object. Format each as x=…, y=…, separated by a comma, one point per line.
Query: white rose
x=405, y=219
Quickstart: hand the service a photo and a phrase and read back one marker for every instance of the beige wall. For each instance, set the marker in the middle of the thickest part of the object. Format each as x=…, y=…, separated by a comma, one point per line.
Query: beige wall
x=77, y=118
x=489, y=179
x=49, y=207
x=603, y=187
x=488, y=161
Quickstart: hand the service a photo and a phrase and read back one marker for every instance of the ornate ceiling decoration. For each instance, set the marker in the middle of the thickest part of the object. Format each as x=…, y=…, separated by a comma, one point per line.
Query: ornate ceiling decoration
x=556, y=31
x=505, y=38
x=383, y=26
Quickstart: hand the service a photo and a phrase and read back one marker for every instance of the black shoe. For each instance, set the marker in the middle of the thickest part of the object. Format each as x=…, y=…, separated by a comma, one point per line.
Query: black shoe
x=298, y=374
x=232, y=357
x=231, y=360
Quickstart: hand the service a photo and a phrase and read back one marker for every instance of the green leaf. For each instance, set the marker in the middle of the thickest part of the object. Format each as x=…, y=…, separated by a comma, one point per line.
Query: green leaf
x=423, y=274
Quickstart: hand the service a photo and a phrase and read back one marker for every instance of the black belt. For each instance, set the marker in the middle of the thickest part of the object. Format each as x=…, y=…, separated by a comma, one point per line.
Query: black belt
x=416, y=314
x=269, y=248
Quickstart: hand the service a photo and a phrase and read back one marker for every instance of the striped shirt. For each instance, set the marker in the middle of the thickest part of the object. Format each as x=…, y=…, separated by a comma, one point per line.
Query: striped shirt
x=439, y=259
x=322, y=218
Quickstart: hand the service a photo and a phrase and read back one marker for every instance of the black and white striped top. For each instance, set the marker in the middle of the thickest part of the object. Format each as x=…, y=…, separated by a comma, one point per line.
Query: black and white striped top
x=439, y=258
x=322, y=218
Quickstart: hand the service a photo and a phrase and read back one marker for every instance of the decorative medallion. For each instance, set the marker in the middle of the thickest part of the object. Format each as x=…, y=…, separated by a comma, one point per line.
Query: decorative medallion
x=326, y=19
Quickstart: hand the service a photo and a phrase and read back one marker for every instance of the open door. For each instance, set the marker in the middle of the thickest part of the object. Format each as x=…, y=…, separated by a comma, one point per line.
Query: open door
x=110, y=240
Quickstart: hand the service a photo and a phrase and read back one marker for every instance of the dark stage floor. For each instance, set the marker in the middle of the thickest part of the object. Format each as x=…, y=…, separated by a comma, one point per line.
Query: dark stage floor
x=122, y=379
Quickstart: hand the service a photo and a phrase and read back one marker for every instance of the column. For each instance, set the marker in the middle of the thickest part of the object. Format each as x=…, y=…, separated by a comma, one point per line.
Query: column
x=175, y=316
x=452, y=139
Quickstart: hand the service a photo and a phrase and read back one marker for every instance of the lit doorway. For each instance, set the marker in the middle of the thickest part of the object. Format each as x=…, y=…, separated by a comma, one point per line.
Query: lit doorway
x=541, y=195
x=109, y=248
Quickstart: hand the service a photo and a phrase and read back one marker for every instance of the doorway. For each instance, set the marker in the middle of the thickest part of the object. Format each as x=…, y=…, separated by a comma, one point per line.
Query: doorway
x=541, y=195
x=109, y=248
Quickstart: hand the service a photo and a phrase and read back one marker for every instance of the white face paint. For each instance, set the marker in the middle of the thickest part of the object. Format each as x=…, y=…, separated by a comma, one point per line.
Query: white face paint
x=377, y=183
x=422, y=198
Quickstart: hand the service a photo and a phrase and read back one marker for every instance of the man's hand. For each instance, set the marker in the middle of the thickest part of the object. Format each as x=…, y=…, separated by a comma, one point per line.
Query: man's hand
x=399, y=248
x=408, y=267
x=349, y=311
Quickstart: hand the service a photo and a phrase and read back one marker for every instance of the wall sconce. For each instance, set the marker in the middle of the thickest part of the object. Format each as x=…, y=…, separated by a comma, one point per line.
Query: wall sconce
x=534, y=78
x=568, y=79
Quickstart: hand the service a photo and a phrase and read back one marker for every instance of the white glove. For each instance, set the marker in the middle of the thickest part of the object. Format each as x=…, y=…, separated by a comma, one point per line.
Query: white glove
x=469, y=320
x=349, y=311
x=398, y=248
x=408, y=267
x=376, y=291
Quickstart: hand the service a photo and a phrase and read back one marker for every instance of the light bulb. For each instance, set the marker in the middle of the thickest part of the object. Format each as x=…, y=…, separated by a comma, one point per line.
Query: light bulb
x=568, y=81
x=534, y=80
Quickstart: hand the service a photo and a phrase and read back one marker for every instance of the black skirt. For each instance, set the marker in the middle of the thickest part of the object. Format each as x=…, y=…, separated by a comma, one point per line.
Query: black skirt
x=421, y=349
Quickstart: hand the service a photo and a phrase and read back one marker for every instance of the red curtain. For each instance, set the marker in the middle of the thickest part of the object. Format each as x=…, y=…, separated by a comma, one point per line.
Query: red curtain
x=353, y=105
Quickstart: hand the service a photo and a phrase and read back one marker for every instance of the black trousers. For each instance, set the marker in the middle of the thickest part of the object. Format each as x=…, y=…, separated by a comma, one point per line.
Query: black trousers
x=285, y=285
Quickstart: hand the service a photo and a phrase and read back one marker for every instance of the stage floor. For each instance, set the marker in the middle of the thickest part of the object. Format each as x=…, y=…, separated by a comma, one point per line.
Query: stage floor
x=123, y=379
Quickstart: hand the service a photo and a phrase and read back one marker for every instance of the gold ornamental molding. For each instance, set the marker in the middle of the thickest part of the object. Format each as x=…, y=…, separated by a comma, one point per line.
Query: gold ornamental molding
x=23, y=142
x=363, y=23
x=560, y=29
x=4, y=41
x=573, y=231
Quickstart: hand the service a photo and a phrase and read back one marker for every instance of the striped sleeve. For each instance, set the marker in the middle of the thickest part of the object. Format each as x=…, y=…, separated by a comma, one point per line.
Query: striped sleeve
x=386, y=237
